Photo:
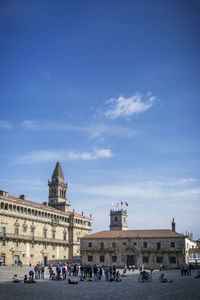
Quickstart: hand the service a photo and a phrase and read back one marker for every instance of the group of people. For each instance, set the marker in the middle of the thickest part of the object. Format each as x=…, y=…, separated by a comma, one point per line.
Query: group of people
x=186, y=269
x=86, y=272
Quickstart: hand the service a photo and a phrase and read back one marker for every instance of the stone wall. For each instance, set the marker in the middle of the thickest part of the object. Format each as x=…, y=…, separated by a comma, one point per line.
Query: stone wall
x=38, y=246
x=135, y=251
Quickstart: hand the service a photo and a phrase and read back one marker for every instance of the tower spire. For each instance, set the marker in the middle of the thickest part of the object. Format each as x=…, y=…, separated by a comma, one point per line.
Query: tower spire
x=58, y=189
x=173, y=225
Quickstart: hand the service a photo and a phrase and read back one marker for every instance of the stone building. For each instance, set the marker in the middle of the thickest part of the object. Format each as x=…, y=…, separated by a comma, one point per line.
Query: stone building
x=119, y=246
x=33, y=232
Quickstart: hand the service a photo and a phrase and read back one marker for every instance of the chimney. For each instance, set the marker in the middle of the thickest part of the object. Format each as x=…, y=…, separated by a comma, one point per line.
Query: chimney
x=3, y=193
x=45, y=203
x=23, y=197
x=173, y=225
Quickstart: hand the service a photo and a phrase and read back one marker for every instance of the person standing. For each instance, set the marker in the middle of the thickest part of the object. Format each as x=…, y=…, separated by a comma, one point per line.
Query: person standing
x=106, y=272
x=95, y=272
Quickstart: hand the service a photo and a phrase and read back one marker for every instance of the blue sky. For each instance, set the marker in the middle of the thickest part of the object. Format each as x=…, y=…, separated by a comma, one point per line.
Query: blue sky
x=111, y=90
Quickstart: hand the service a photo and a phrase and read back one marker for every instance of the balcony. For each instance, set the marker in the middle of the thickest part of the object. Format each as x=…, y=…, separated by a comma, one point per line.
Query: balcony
x=98, y=250
x=162, y=250
x=32, y=239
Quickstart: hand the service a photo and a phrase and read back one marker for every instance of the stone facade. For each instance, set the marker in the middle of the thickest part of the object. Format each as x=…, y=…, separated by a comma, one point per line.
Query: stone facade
x=135, y=247
x=33, y=232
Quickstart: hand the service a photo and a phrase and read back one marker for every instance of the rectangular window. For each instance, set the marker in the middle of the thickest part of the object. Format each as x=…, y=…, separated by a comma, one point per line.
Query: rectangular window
x=17, y=230
x=101, y=245
x=172, y=244
x=114, y=245
x=64, y=236
x=124, y=244
x=145, y=245
x=145, y=259
x=16, y=244
x=159, y=259
x=90, y=244
x=90, y=258
x=24, y=228
x=53, y=235
x=114, y=259
x=3, y=243
x=172, y=260
x=102, y=259
x=3, y=230
x=158, y=246
x=32, y=233
x=45, y=246
x=45, y=234
x=32, y=245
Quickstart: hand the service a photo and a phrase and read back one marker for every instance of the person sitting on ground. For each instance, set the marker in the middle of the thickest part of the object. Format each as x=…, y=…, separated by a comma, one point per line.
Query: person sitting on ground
x=117, y=278
x=30, y=280
x=164, y=279
x=124, y=272
x=72, y=281
x=198, y=275
x=15, y=279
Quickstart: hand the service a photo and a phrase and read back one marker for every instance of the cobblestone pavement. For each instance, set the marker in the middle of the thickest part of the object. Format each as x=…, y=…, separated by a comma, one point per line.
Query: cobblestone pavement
x=183, y=287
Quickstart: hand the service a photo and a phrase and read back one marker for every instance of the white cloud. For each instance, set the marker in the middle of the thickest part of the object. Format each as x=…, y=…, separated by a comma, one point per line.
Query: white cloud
x=93, y=130
x=61, y=155
x=184, y=181
x=126, y=107
x=96, y=154
x=142, y=193
x=5, y=125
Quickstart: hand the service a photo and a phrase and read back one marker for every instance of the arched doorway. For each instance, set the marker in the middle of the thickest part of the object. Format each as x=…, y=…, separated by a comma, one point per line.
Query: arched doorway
x=130, y=254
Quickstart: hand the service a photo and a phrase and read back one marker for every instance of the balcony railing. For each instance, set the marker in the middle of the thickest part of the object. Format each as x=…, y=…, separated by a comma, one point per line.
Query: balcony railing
x=32, y=239
x=98, y=250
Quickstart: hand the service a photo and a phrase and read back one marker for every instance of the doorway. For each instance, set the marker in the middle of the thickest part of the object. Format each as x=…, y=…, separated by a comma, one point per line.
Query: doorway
x=16, y=259
x=130, y=260
x=45, y=260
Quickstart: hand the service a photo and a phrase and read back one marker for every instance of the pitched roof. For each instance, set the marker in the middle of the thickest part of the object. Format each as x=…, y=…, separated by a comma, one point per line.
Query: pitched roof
x=58, y=173
x=154, y=233
x=39, y=205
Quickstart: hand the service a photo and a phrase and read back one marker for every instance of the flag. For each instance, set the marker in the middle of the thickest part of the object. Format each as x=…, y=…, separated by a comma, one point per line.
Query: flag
x=122, y=203
x=117, y=204
x=126, y=203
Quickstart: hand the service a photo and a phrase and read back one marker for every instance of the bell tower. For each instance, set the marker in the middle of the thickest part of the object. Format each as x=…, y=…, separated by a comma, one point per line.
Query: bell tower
x=118, y=220
x=58, y=190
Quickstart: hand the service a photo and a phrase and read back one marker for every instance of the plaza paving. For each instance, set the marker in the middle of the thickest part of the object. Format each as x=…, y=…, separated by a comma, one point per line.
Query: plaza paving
x=183, y=287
